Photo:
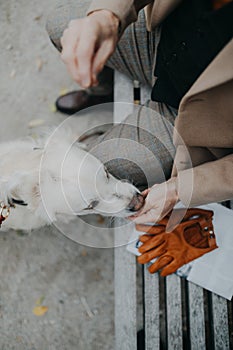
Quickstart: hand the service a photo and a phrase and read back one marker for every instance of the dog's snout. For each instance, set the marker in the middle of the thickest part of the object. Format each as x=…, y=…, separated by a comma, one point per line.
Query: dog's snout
x=136, y=203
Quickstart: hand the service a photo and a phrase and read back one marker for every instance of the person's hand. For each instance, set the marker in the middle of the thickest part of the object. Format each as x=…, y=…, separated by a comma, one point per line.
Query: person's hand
x=87, y=44
x=160, y=200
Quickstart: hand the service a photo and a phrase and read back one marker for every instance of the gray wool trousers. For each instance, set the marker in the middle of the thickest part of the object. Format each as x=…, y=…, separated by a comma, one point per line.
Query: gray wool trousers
x=140, y=149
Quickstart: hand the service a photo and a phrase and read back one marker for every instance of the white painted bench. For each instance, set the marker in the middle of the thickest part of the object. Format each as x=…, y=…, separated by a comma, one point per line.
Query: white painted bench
x=177, y=314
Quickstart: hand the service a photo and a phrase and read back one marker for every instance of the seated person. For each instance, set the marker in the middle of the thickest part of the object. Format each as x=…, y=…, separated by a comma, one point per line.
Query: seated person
x=183, y=51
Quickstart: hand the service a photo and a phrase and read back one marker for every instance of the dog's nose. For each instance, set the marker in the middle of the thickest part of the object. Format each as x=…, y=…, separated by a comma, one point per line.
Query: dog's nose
x=136, y=203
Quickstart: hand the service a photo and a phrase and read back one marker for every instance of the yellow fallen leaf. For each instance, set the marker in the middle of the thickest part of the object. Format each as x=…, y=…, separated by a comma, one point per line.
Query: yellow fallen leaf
x=52, y=108
x=40, y=301
x=34, y=136
x=84, y=252
x=63, y=91
x=37, y=18
x=40, y=310
x=35, y=123
x=19, y=339
x=39, y=64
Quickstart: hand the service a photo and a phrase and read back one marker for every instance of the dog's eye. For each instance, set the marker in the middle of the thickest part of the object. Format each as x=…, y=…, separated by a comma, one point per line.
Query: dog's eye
x=107, y=173
x=92, y=205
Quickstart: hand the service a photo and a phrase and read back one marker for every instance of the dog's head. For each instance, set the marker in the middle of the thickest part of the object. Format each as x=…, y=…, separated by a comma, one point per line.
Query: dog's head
x=104, y=194
x=84, y=186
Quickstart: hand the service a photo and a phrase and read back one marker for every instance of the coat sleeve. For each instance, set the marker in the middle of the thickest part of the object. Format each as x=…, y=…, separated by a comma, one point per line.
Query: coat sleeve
x=125, y=10
x=206, y=183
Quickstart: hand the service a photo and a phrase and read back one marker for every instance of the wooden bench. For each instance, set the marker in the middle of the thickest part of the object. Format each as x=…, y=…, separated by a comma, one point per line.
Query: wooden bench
x=176, y=314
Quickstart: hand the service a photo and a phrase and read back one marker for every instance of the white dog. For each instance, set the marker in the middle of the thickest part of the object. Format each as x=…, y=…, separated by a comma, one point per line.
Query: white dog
x=55, y=178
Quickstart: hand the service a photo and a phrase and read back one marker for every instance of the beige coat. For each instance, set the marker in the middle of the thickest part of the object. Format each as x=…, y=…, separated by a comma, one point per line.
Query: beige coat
x=205, y=117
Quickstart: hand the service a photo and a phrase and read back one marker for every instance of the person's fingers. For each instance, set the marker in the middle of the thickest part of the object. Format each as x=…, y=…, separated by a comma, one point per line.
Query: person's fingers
x=72, y=68
x=160, y=263
x=151, y=216
x=147, y=206
x=78, y=47
x=95, y=81
x=68, y=55
x=151, y=206
x=145, y=192
x=101, y=56
x=85, y=52
x=87, y=44
x=148, y=209
x=151, y=229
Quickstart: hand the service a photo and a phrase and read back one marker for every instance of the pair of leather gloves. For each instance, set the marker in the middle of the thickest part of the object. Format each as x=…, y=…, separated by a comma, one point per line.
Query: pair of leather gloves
x=190, y=239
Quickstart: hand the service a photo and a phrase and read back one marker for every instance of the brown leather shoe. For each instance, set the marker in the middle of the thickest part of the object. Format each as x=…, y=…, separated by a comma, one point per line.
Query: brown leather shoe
x=75, y=101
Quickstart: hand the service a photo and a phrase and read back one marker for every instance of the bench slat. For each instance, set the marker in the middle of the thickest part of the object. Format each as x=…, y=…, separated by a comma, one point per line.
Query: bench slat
x=151, y=287
x=220, y=323
x=125, y=297
x=145, y=93
x=174, y=313
x=123, y=92
x=196, y=317
x=151, y=309
x=124, y=262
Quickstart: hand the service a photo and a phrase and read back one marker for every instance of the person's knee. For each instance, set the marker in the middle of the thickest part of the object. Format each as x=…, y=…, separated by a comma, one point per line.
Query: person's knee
x=56, y=24
x=59, y=18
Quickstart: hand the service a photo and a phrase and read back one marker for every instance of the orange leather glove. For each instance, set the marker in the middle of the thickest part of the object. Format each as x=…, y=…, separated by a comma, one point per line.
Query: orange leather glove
x=192, y=238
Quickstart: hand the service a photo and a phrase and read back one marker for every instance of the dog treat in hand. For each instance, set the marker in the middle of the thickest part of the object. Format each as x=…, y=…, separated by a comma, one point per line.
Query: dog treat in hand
x=192, y=238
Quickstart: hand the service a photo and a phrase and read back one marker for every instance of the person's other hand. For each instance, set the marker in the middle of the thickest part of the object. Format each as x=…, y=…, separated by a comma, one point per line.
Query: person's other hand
x=87, y=44
x=160, y=200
